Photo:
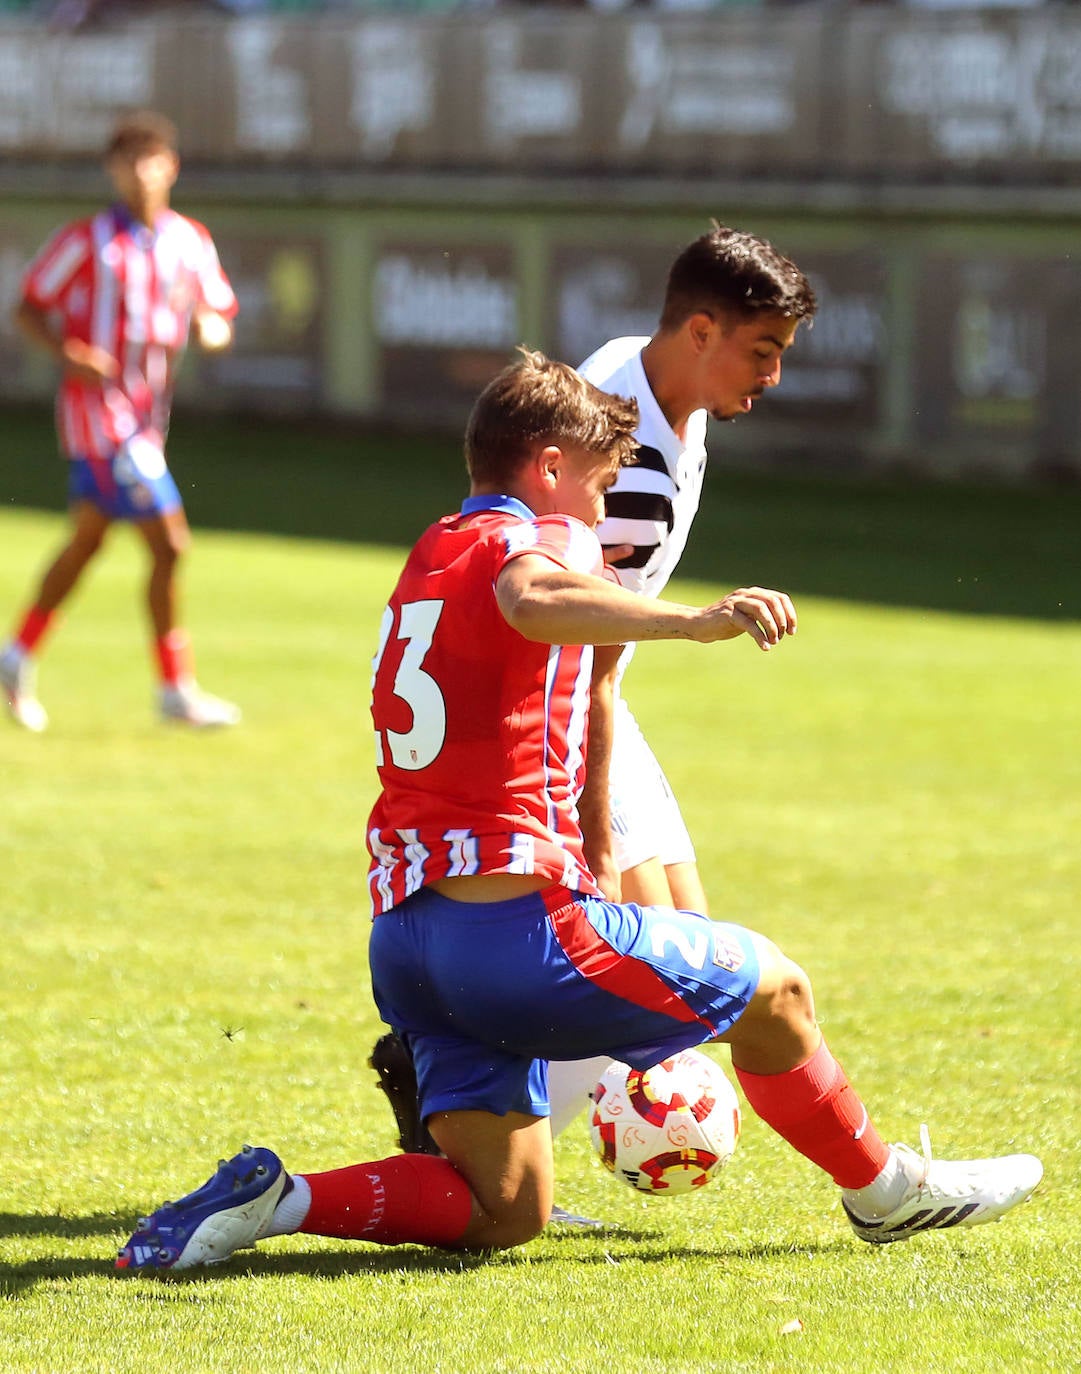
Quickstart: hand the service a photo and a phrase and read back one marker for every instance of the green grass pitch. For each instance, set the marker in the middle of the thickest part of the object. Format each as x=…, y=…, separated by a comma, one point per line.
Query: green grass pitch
x=894, y=795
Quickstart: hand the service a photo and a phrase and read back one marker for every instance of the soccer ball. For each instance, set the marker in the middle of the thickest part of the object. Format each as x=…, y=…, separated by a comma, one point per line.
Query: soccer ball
x=668, y=1129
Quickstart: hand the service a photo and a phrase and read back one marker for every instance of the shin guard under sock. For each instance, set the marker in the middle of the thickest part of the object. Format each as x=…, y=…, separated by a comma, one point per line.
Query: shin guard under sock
x=417, y=1198
x=816, y=1109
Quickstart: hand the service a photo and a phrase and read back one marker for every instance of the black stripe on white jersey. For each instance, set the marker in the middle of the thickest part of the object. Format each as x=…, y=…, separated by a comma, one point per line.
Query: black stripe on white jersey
x=638, y=509
x=646, y=456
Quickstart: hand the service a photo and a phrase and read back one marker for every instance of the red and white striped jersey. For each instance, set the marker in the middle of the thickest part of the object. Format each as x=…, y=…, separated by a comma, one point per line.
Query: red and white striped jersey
x=480, y=733
x=131, y=290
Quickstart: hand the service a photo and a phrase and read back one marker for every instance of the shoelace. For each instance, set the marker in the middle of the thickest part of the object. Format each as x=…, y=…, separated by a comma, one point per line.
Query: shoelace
x=925, y=1150
x=923, y=1155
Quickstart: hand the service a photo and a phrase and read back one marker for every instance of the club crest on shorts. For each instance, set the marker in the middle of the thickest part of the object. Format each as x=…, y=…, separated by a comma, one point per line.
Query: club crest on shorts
x=727, y=952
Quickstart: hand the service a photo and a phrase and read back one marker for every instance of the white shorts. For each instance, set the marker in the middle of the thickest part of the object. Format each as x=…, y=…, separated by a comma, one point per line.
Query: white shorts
x=646, y=820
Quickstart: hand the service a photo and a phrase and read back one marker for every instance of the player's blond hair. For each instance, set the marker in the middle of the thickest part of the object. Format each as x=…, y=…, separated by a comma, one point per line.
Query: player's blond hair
x=535, y=402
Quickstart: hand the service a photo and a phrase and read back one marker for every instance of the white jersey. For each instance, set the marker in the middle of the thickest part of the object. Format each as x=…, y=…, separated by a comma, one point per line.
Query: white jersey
x=652, y=506
x=653, y=503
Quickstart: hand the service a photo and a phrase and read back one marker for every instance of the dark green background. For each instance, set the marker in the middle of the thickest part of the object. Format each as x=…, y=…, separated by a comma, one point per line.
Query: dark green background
x=987, y=549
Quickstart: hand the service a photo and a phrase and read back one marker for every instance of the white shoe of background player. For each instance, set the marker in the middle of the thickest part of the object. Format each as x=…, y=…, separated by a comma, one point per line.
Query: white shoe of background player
x=187, y=702
x=18, y=677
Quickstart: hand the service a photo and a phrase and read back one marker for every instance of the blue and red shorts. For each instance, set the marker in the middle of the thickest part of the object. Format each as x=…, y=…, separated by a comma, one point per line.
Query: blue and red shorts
x=486, y=993
x=134, y=484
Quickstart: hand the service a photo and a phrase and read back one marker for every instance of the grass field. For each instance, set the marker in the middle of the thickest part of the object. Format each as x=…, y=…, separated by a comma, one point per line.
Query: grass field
x=895, y=796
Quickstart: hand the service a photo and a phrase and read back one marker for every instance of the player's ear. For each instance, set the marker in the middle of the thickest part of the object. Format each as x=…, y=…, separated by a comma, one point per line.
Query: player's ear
x=700, y=328
x=549, y=464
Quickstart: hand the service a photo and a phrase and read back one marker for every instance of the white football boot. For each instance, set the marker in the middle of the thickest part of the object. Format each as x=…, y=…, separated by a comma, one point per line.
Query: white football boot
x=187, y=702
x=18, y=677
x=944, y=1194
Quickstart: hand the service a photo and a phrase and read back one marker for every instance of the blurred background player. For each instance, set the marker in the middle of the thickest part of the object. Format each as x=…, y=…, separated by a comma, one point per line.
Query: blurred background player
x=492, y=949
x=113, y=298
x=731, y=309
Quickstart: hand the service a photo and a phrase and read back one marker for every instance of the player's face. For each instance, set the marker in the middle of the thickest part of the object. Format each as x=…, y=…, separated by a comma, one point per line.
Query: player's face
x=143, y=181
x=739, y=360
x=584, y=479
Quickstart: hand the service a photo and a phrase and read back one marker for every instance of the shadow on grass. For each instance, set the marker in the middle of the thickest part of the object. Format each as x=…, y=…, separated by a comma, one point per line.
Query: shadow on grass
x=611, y=1247
x=979, y=549
x=47, y=1224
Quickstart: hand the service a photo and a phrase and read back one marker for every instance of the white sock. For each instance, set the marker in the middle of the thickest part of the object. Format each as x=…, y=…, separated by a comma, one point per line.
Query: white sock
x=888, y=1190
x=569, y=1084
x=291, y=1210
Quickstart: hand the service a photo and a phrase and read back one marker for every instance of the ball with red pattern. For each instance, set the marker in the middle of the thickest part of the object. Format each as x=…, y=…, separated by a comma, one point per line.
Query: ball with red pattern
x=669, y=1129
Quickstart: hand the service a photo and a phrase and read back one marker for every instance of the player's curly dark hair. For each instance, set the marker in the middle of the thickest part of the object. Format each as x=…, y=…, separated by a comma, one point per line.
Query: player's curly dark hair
x=731, y=272
x=142, y=131
x=539, y=401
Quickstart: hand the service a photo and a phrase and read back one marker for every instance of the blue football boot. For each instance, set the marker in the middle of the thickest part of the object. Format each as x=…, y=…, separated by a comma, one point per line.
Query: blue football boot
x=229, y=1212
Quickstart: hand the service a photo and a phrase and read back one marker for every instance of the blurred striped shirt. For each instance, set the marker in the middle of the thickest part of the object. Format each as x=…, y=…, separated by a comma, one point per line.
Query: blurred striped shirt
x=130, y=290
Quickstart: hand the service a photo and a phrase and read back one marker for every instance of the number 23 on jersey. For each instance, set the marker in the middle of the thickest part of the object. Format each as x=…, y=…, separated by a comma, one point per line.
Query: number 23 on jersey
x=420, y=745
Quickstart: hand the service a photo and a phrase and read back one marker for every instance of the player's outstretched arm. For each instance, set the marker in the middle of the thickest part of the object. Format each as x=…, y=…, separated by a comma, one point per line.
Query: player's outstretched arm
x=552, y=605
x=767, y=616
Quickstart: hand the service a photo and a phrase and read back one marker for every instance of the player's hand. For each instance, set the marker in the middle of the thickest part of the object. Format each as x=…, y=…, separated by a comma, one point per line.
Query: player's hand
x=213, y=331
x=765, y=615
x=614, y=554
x=88, y=362
x=604, y=868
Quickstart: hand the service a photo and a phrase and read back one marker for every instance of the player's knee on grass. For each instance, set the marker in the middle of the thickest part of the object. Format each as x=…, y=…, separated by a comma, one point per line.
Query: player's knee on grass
x=522, y=1226
x=507, y=1163
x=504, y=1227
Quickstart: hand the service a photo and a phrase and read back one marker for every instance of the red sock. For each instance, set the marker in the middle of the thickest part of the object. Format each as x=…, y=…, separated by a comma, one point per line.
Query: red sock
x=34, y=624
x=815, y=1108
x=174, y=657
x=417, y=1198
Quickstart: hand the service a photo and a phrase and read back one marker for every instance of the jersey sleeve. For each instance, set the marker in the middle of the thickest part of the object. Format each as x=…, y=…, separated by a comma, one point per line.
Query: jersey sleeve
x=215, y=291
x=560, y=538
x=56, y=266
